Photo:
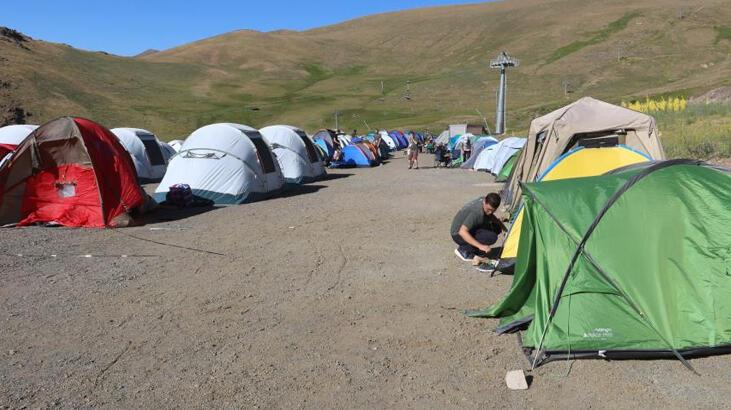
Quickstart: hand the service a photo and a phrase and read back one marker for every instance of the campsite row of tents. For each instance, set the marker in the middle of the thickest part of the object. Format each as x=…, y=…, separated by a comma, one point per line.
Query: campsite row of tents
x=493, y=156
x=75, y=172
x=488, y=154
x=363, y=151
x=616, y=253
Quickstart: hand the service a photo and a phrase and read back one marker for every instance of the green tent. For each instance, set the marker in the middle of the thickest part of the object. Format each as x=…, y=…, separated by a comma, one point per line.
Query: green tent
x=504, y=173
x=456, y=163
x=632, y=264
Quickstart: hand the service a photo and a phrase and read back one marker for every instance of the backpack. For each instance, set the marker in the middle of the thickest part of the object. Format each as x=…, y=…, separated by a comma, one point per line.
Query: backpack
x=180, y=195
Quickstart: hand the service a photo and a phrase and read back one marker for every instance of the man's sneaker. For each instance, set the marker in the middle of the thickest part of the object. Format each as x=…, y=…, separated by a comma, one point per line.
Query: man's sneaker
x=463, y=255
x=477, y=259
x=487, y=267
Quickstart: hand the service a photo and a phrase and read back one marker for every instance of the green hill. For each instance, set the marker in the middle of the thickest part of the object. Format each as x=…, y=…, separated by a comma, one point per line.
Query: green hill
x=432, y=64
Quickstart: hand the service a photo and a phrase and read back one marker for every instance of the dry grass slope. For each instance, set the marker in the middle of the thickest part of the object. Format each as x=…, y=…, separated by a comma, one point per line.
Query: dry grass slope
x=612, y=50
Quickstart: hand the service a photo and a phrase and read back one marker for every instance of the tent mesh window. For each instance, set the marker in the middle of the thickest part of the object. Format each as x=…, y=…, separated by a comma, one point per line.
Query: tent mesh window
x=262, y=151
x=599, y=139
x=311, y=151
x=153, y=150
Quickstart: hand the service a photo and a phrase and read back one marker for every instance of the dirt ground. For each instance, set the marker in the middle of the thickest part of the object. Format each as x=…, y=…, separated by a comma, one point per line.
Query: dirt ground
x=343, y=294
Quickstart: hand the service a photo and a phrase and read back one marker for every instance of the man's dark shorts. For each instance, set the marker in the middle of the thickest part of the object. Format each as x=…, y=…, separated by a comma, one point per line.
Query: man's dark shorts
x=483, y=236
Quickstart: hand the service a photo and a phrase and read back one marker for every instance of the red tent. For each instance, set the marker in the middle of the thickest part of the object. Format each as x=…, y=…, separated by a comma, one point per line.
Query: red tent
x=69, y=171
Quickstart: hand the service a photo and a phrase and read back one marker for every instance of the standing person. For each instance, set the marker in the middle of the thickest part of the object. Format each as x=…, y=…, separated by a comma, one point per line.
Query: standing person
x=337, y=155
x=467, y=150
x=413, y=151
x=475, y=228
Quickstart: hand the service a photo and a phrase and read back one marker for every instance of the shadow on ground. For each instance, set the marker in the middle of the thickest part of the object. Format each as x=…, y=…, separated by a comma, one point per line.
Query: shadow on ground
x=330, y=177
x=295, y=190
x=167, y=213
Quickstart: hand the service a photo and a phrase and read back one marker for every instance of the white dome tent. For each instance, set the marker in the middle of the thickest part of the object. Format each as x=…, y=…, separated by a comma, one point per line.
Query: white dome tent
x=295, y=152
x=443, y=138
x=388, y=140
x=146, y=151
x=459, y=144
x=176, y=144
x=225, y=163
x=493, y=158
x=344, y=139
x=11, y=136
x=167, y=151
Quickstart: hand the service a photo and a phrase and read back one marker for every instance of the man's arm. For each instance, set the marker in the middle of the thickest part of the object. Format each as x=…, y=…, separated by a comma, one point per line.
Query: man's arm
x=465, y=234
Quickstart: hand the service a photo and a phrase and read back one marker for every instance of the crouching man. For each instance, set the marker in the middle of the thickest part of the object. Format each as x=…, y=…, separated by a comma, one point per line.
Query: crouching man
x=475, y=228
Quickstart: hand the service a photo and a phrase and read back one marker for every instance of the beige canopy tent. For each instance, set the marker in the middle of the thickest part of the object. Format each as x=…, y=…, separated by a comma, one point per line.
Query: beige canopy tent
x=461, y=129
x=587, y=122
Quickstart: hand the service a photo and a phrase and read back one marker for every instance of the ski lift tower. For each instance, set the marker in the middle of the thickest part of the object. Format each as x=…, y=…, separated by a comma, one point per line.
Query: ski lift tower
x=503, y=61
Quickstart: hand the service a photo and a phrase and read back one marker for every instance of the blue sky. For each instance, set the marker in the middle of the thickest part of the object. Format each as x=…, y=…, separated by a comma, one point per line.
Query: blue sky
x=127, y=27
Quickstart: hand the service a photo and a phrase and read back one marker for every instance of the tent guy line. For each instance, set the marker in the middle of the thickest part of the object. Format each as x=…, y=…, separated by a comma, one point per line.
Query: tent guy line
x=187, y=248
x=75, y=255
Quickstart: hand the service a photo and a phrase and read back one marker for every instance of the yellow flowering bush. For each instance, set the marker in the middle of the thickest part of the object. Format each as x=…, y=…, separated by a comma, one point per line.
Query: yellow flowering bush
x=675, y=104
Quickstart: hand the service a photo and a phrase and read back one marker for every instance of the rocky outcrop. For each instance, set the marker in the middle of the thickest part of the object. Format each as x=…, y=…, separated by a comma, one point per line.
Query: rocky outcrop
x=13, y=115
x=11, y=111
x=717, y=95
x=15, y=37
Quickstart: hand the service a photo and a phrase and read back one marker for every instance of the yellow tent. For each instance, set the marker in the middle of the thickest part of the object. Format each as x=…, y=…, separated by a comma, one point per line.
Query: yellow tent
x=579, y=162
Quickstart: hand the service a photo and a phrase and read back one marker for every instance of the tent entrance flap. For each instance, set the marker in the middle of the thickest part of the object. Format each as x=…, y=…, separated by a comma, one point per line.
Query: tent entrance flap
x=309, y=146
x=153, y=151
x=262, y=152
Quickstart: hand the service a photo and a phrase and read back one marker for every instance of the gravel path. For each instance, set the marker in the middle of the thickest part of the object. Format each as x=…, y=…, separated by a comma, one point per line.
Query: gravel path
x=343, y=294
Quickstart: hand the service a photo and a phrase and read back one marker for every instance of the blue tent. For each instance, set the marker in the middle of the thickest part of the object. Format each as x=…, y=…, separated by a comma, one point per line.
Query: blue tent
x=324, y=139
x=352, y=157
x=402, y=139
x=382, y=150
x=326, y=149
x=397, y=139
x=453, y=142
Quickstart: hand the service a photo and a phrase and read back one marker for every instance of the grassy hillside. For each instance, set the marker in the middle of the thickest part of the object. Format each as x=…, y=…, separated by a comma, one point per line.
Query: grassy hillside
x=432, y=64
x=702, y=131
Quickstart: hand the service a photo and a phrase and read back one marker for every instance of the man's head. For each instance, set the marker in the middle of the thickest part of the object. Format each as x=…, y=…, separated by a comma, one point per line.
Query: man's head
x=491, y=203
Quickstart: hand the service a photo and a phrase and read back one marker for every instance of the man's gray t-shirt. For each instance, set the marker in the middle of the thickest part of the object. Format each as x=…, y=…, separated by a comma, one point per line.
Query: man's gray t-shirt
x=472, y=216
